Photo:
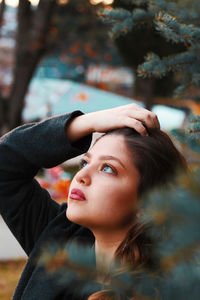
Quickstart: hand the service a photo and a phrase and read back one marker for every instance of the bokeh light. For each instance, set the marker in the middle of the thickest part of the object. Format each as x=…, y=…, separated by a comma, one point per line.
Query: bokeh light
x=15, y=3
x=108, y=2
x=34, y=2
x=95, y=2
x=63, y=2
x=105, y=2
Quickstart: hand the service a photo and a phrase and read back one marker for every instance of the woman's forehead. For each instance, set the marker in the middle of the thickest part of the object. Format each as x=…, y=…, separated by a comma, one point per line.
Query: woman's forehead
x=110, y=145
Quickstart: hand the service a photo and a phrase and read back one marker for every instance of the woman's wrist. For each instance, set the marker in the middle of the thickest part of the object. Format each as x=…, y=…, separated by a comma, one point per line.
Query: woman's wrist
x=79, y=127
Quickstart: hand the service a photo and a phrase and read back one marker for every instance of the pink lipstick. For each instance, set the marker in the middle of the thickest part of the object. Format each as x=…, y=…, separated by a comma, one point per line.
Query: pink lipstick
x=77, y=194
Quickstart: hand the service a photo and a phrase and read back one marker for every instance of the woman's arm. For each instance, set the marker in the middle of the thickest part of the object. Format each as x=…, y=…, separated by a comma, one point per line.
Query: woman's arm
x=25, y=206
x=130, y=115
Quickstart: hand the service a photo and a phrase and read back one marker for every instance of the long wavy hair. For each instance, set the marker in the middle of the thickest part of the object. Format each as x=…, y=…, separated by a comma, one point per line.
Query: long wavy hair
x=157, y=160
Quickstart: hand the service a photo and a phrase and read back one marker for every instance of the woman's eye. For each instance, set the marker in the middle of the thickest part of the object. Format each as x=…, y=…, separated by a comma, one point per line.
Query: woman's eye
x=83, y=163
x=108, y=169
x=105, y=168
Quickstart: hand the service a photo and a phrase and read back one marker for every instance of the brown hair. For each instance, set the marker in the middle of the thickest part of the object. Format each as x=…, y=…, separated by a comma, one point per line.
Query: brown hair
x=157, y=161
x=104, y=295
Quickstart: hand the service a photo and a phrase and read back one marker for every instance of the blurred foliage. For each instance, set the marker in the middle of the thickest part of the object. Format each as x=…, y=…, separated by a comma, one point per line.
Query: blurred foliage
x=191, y=135
x=68, y=32
x=174, y=217
x=174, y=213
x=80, y=37
x=57, y=181
x=163, y=33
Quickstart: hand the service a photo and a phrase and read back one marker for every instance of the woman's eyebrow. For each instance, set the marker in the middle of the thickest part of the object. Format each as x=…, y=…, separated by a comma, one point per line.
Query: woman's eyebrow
x=110, y=157
x=107, y=157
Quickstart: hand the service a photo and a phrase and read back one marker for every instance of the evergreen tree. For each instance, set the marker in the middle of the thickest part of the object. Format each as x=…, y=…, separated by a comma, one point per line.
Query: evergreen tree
x=173, y=213
x=33, y=26
x=175, y=223
x=70, y=26
x=166, y=32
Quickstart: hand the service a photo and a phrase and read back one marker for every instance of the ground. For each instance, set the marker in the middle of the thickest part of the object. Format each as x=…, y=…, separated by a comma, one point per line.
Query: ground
x=10, y=272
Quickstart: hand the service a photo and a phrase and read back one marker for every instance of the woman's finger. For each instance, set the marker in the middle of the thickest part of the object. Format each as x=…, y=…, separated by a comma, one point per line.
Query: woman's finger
x=137, y=125
x=154, y=118
x=145, y=116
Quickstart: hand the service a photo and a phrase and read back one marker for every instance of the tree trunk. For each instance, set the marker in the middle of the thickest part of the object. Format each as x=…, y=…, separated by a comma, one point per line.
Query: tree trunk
x=149, y=95
x=3, y=101
x=23, y=75
x=2, y=9
x=31, y=42
x=145, y=88
x=4, y=109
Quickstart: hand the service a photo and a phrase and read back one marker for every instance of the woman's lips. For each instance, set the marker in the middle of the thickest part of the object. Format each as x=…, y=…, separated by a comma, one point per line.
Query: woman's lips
x=77, y=194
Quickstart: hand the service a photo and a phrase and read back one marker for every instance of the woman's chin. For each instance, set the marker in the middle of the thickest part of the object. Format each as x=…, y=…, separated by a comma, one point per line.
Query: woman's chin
x=75, y=217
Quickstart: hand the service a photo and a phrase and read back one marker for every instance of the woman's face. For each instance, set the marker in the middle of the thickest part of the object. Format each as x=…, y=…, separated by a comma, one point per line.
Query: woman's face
x=109, y=181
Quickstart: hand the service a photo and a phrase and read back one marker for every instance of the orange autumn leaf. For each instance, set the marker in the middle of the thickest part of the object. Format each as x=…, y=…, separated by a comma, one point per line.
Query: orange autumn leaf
x=82, y=97
x=79, y=60
x=62, y=186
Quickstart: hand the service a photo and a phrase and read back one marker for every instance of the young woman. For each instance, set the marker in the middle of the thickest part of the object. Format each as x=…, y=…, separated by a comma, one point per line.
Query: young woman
x=131, y=158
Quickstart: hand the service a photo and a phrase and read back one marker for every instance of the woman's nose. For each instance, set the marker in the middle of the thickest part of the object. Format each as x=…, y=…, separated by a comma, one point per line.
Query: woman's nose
x=83, y=177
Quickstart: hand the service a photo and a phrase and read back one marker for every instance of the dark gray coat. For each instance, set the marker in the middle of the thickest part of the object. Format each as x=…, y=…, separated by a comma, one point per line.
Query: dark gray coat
x=30, y=213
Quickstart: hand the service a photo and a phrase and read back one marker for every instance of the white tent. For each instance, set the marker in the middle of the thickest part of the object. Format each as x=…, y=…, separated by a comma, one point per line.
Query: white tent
x=54, y=96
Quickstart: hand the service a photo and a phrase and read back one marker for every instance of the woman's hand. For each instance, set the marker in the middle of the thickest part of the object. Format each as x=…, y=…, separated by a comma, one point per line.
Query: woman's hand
x=131, y=115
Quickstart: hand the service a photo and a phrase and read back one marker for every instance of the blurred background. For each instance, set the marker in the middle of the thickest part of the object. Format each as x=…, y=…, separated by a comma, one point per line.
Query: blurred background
x=59, y=56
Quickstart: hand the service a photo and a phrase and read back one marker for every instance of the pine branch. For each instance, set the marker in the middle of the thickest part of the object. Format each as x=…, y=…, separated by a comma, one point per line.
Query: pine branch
x=185, y=11
x=190, y=137
x=188, y=61
x=177, y=32
x=135, y=2
x=114, y=15
x=123, y=20
x=170, y=19
x=162, y=5
x=175, y=215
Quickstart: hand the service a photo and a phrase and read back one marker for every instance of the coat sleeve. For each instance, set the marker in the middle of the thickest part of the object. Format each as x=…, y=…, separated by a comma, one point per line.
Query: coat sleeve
x=26, y=207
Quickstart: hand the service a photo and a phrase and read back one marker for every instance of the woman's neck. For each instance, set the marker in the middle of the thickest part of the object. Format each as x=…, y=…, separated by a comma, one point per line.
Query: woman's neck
x=106, y=244
x=105, y=257
x=105, y=252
